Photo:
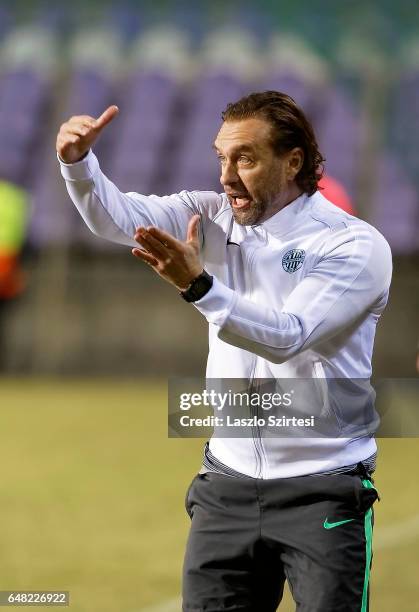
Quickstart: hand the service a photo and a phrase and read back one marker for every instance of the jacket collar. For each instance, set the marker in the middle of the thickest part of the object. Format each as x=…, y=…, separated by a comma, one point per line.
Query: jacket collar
x=287, y=218
x=279, y=224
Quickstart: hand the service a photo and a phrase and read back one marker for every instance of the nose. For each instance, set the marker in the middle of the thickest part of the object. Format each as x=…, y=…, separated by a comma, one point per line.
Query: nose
x=229, y=175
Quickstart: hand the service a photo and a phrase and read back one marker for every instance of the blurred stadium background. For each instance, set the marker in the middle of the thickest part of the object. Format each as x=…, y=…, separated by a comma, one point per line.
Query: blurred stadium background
x=92, y=489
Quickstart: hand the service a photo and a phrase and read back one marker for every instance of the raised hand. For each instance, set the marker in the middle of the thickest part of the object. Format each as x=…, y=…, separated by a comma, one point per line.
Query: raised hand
x=176, y=261
x=78, y=134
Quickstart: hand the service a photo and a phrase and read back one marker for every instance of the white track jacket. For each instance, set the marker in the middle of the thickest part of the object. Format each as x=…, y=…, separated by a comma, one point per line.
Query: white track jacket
x=297, y=296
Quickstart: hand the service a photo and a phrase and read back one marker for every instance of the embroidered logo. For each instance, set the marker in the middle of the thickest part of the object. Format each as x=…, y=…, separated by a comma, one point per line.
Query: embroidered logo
x=328, y=525
x=293, y=260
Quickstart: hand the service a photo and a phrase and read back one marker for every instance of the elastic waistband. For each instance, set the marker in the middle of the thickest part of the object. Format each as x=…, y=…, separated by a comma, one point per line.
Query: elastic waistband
x=364, y=468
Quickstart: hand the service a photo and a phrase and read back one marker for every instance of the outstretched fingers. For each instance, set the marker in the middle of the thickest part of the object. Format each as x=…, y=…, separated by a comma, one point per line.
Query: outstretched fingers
x=169, y=241
x=144, y=256
x=106, y=117
x=153, y=245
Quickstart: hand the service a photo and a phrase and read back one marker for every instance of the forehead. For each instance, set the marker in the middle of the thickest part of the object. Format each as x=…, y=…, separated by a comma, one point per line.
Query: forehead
x=250, y=133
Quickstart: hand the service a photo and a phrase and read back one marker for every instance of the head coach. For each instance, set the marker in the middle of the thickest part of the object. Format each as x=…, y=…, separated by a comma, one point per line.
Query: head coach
x=292, y=287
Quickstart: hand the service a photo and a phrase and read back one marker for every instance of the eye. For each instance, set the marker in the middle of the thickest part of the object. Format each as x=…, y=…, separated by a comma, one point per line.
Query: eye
x=221, y=159
x=243, y=159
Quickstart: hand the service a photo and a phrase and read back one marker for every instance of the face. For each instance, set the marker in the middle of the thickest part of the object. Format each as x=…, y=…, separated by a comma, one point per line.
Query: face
x=258, y=182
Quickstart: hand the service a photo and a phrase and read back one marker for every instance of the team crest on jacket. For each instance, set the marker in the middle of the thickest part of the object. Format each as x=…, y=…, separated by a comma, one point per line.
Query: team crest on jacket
x=293, y=260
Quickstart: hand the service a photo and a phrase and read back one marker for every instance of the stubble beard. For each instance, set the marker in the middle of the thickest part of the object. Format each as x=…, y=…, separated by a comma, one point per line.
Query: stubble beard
x=252, y=216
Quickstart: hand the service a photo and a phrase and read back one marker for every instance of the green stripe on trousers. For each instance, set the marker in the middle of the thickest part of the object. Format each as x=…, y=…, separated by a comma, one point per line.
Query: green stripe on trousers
x=368, y=542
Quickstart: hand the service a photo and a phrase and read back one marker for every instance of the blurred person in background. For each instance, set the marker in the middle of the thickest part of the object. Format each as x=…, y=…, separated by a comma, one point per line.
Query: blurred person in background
x=14, y=210
x=298, y=509
x=336, y=193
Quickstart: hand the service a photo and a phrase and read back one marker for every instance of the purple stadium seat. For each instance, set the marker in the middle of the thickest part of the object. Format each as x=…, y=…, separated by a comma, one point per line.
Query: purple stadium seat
x=404, y=122
x=54, y=220
x=195, y=165
x=90, y=92
x=138, y=162
x=20, y=120
x=395, y=206
x=125, y=18
x=339, y=136
x=301, y=91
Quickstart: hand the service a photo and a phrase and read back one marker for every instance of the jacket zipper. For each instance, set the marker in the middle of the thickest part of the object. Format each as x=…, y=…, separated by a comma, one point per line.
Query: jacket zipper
x=254, y=387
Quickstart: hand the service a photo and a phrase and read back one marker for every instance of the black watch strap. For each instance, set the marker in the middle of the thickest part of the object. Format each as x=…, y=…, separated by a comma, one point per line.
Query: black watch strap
x=198, y=287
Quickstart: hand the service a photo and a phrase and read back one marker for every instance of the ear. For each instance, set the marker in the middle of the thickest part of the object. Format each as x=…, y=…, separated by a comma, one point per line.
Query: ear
x=295, y=160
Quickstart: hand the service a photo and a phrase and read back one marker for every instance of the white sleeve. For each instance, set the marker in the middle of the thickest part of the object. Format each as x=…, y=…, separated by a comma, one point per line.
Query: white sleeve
x=114, y=215
x=351, y=279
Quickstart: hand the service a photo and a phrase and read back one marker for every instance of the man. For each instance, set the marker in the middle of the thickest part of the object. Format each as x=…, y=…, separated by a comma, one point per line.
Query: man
x=292, y=287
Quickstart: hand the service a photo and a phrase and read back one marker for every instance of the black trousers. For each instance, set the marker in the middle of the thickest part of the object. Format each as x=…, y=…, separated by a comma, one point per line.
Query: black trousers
x=248, y=535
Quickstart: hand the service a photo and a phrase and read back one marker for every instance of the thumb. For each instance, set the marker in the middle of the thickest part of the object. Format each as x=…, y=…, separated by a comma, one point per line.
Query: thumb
x=106, y=117
x=193, y=229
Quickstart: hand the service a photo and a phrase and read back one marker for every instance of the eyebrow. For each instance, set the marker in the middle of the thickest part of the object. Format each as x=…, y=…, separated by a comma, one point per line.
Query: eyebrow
x=243, y=147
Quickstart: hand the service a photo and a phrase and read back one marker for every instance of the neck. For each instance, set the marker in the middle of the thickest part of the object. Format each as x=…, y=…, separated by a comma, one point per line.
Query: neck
x=289, y=196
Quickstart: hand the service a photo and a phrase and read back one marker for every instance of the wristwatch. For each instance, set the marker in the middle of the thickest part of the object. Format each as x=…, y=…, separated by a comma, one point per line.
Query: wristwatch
x=198, y=287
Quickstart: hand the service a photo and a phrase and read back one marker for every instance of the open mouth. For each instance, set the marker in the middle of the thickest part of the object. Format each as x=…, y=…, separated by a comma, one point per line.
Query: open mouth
x=240, y=202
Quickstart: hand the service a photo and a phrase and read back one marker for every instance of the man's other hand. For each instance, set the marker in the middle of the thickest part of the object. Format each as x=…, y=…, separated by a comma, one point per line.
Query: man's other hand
x=77, y=135
x=176, y=261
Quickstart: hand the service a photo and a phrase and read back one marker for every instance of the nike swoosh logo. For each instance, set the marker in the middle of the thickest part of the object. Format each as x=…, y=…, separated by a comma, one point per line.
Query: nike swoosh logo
x=328, y=525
